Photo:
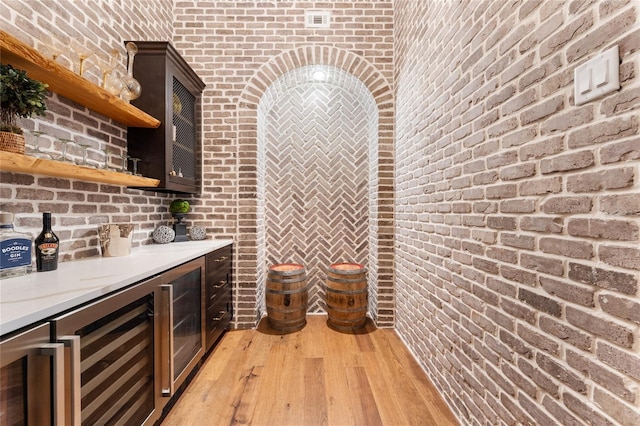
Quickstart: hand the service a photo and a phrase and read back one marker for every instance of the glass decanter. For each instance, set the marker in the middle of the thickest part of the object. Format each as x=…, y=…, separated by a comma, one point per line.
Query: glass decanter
x=132, y=88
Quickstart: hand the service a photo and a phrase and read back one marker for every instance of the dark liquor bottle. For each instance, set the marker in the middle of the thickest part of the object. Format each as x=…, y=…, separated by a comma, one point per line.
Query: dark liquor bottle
x=46, y=246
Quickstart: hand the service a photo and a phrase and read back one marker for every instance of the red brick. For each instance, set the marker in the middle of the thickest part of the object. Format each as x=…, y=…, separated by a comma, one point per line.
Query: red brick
x=542, y=264
x=520, y=137
x=540, y=302
x=585, y=410
x=517, y=241
x=624, y=100
x=567, y=120
x=518, y=310
x=542, y=110
x=568, y=205
x=544, y=148
x=603, y=131
x=566, y=162
x=620, y=152
x=551, y=185
x=624, y=257
x=601, y=35
x=501, y=191
x=601, y=375
x=625, y=362
x=561, y=373
x=598, y=181
x=538, y=340
x=615, y=408
x=534, y=410
x=517, y=206
x=621, y=204
x=538, y=74
x=568, y=291
x=518, y=275
x=518, y=171
x=610, y=280
x=569, y=248
x=565, y=332
x=565, y=418
x=621, y=307
x=603, y=229
x=608, y=330
x=569, y=32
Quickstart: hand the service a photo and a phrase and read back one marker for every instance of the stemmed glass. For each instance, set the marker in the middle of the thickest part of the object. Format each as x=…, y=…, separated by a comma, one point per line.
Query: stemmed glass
x=83, y=162
x=65, y=143
x=105, y=164
x=107, y=65
x=132, y=88
x=124, y=168
x=135, y=161
x=82, y=52
x=35, y=151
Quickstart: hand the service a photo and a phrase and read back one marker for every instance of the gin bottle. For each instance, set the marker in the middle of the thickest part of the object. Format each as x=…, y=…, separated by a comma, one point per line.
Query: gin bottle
x=15, y=249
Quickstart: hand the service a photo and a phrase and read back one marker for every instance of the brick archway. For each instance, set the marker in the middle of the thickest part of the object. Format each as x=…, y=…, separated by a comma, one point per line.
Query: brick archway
x=250, y=269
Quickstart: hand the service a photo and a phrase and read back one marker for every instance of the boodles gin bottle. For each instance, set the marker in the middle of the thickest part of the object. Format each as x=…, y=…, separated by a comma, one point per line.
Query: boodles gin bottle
x=15, y=249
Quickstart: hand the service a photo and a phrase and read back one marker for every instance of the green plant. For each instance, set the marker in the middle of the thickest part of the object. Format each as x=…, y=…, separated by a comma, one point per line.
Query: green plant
x=179, y=206
x=20, y=97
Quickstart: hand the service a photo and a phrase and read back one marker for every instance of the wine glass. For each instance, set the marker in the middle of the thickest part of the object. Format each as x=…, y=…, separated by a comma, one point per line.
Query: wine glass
x=135, y=161
x=35, y=151
x=107, y=64
x=132, y=88
x=82, y=52
x=83, y=161
x=105, y=164
x=124, y=169
x=65, y=144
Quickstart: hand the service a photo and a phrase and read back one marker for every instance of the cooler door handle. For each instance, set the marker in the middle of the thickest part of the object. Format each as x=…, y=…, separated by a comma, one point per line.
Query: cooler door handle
x=73, y=343
x=166, y=360
x=56, y=352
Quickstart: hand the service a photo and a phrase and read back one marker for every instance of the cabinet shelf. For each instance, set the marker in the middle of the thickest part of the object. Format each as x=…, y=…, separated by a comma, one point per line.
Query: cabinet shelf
x=18, y=163
x=70, y=85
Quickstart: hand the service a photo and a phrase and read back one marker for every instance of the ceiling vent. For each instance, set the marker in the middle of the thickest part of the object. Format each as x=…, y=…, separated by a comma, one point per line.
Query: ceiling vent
x=317, y=18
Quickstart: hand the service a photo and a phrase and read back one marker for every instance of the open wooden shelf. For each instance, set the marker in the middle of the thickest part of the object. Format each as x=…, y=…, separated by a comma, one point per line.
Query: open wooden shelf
x=70, y=85
x=19, y=163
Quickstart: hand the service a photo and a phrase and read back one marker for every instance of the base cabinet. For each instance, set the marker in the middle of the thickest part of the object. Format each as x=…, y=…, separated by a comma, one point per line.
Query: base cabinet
x=122, y=358
x=219, y=303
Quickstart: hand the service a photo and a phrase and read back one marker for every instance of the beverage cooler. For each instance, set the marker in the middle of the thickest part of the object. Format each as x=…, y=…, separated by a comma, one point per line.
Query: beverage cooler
x=31, y=389
x=118, y=360
x=111, y=358
x=182, y=339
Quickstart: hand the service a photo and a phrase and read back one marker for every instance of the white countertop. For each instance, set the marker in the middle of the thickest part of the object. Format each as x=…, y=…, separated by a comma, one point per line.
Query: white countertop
x=34, y=297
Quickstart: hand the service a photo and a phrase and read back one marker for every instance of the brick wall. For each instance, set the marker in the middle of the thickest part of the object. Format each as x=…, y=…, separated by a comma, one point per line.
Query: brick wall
x=239, y=49
x=518, y=212
x=79, y=207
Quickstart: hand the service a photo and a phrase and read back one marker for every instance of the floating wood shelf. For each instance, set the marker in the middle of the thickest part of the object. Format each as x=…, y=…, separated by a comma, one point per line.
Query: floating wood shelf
x=70, y=85
x=18, y=163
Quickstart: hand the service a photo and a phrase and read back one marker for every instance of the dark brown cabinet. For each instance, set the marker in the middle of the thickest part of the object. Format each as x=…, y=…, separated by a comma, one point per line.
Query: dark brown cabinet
x=219, y=306
x=171, y=92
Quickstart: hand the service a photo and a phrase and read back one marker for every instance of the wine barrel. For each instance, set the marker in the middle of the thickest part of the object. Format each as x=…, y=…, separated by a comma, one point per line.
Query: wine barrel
x=286, y=297
x=346, y=296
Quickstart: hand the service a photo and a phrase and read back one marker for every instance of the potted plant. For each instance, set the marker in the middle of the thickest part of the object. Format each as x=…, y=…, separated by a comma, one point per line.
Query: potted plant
x=20, y=97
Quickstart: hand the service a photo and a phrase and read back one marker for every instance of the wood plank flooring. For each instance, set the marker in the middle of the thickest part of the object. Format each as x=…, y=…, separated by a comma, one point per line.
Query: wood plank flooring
x=316, y=376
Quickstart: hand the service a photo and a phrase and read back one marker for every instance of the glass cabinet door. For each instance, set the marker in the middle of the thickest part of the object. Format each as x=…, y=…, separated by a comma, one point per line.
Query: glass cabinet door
x=182, y=322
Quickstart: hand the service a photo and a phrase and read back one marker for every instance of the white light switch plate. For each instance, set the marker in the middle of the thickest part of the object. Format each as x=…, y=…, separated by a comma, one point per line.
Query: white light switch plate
x=598, y=76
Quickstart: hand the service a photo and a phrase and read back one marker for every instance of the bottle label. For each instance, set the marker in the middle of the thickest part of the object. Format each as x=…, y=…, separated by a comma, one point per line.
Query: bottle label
x=48, y=250
x=15, y=252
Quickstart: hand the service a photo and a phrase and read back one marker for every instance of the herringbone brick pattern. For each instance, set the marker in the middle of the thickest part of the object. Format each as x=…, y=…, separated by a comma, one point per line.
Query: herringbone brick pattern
x=316, y=178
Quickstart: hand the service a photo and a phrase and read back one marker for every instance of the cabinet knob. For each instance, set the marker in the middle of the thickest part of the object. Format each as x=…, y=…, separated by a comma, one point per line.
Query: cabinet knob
x=221, y=259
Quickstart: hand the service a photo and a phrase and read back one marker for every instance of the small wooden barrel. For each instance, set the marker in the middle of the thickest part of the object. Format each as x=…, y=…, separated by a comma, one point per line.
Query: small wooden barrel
x=286, y=297
x=346, y=296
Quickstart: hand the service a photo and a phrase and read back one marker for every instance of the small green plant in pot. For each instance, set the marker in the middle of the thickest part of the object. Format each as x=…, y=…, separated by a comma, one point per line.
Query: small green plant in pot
x=20, y=97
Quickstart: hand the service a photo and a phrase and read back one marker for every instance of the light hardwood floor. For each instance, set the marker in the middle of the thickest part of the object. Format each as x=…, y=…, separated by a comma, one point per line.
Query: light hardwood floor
x=316, y=376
